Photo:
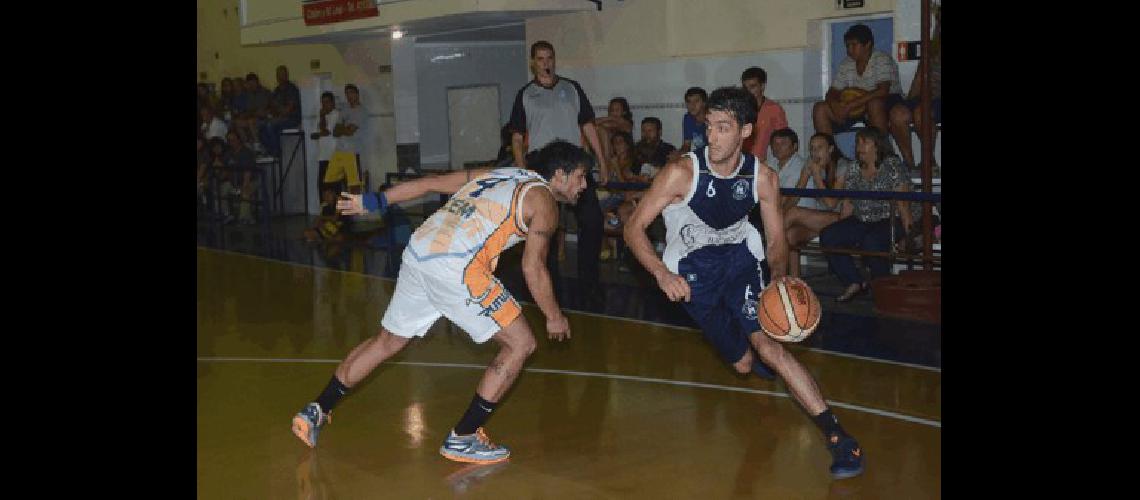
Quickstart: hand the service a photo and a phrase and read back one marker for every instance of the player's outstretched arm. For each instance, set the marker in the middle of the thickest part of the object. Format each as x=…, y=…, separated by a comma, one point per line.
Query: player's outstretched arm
x=449, y=183
x=670, y=186
x=541, y=213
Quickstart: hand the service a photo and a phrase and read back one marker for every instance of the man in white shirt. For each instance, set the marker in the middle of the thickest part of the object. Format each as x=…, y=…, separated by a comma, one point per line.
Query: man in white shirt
x=865, y=80
x=788, y=165
x=348, y=131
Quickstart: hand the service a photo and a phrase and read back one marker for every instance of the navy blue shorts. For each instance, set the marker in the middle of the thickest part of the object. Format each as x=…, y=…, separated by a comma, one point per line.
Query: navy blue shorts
x=935, y=107
x=888, y=102
x=725, y=286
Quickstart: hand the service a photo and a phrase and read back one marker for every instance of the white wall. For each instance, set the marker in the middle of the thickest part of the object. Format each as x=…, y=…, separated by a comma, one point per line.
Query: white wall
x=658, y=88
x=404, y=80
x=443, y=65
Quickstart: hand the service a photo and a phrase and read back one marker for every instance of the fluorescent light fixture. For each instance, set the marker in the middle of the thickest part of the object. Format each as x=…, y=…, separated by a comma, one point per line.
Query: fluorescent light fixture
x=397, y=34
x=447, y=57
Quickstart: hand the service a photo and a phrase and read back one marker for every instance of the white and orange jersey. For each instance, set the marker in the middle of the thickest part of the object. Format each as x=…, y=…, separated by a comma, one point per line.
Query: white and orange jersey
x=480, y=221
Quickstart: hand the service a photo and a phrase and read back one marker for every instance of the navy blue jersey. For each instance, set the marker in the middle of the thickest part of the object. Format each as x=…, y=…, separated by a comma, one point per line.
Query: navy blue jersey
x=711, y=224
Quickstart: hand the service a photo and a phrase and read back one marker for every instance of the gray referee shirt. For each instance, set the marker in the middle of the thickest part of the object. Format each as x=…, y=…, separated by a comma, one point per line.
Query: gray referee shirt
x=546, y=114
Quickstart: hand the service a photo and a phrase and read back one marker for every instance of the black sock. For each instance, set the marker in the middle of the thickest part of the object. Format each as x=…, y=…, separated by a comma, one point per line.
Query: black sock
x=829, y=424
x=332, y=394
x=476, y=414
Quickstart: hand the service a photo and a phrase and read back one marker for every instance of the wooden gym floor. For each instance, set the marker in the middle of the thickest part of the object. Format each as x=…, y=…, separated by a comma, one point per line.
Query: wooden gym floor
x=626, y=409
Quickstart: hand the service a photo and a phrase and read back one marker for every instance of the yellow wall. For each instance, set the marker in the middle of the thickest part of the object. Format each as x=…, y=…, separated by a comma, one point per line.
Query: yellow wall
x=280, y=20
x=645, y=30
x=219, y=33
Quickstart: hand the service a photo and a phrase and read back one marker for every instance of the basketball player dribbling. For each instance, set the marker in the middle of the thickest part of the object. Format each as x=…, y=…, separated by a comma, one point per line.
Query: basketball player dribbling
x=447, y=271
x=714, y=257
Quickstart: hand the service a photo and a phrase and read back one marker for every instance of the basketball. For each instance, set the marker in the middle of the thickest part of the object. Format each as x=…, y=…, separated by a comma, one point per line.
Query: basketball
x=788, y=311
x=849, y=94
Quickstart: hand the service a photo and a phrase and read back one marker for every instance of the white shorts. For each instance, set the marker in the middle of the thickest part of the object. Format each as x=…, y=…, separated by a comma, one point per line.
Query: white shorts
x=474, y=300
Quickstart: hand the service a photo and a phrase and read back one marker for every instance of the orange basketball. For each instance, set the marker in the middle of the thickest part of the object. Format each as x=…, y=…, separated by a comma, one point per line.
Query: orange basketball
x=850, y=94
x=788, y=311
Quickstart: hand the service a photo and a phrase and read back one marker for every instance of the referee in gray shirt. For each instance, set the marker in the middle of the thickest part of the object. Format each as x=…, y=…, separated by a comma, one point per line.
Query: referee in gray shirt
x=551, y=107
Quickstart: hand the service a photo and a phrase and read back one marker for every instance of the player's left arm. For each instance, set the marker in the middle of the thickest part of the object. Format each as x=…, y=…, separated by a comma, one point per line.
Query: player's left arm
x=776, y=251
x=541, y=215
x=357, y=204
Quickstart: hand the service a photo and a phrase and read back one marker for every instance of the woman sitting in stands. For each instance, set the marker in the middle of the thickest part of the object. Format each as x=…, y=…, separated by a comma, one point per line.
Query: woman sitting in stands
x=825, y=165
x=618, y=120
x=621, y=163
x=865, y=224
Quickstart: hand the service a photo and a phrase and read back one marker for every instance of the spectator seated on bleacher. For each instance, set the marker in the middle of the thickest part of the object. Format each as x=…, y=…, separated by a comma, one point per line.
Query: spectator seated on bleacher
x=216, y=157
x=284, y=112
x=694, y=125
x=622, y=162
x=226, y=101
x=804, y=221
x=206, y=97
x=619, y=119
x=253, y=108
x=651, y=152
x=907, y=112
x=240, y=161
x=865, y=87
x=865, y=224
x=788, y=165
x=237, y=99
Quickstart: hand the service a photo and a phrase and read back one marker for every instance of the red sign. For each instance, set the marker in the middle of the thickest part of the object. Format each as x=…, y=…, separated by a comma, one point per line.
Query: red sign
x=335, y=11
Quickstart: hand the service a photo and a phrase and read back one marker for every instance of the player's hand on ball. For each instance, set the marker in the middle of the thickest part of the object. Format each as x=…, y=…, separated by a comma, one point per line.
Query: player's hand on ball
x=674, y=286
x=558, y=328
x=792, y=279
x=350, y=204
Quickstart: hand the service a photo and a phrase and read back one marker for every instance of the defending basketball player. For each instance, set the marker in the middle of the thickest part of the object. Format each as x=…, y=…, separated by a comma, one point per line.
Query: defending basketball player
x=714, y=257
x=447, y=271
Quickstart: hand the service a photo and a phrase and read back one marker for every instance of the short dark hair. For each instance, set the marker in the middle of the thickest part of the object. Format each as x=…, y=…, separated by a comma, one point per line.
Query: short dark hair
x=754, y=73
x=252, y=76
x=736, y=101
x=860, y=33
x=541, y=44
x=654, y=120
x=697, y=91
x=558, y=155
x=330, y=95
x=785, y=132
x=349, y=86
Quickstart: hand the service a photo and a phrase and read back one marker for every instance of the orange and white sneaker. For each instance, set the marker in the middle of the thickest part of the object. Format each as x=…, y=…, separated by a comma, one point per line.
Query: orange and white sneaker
x=308, y=422
x=474, y=448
